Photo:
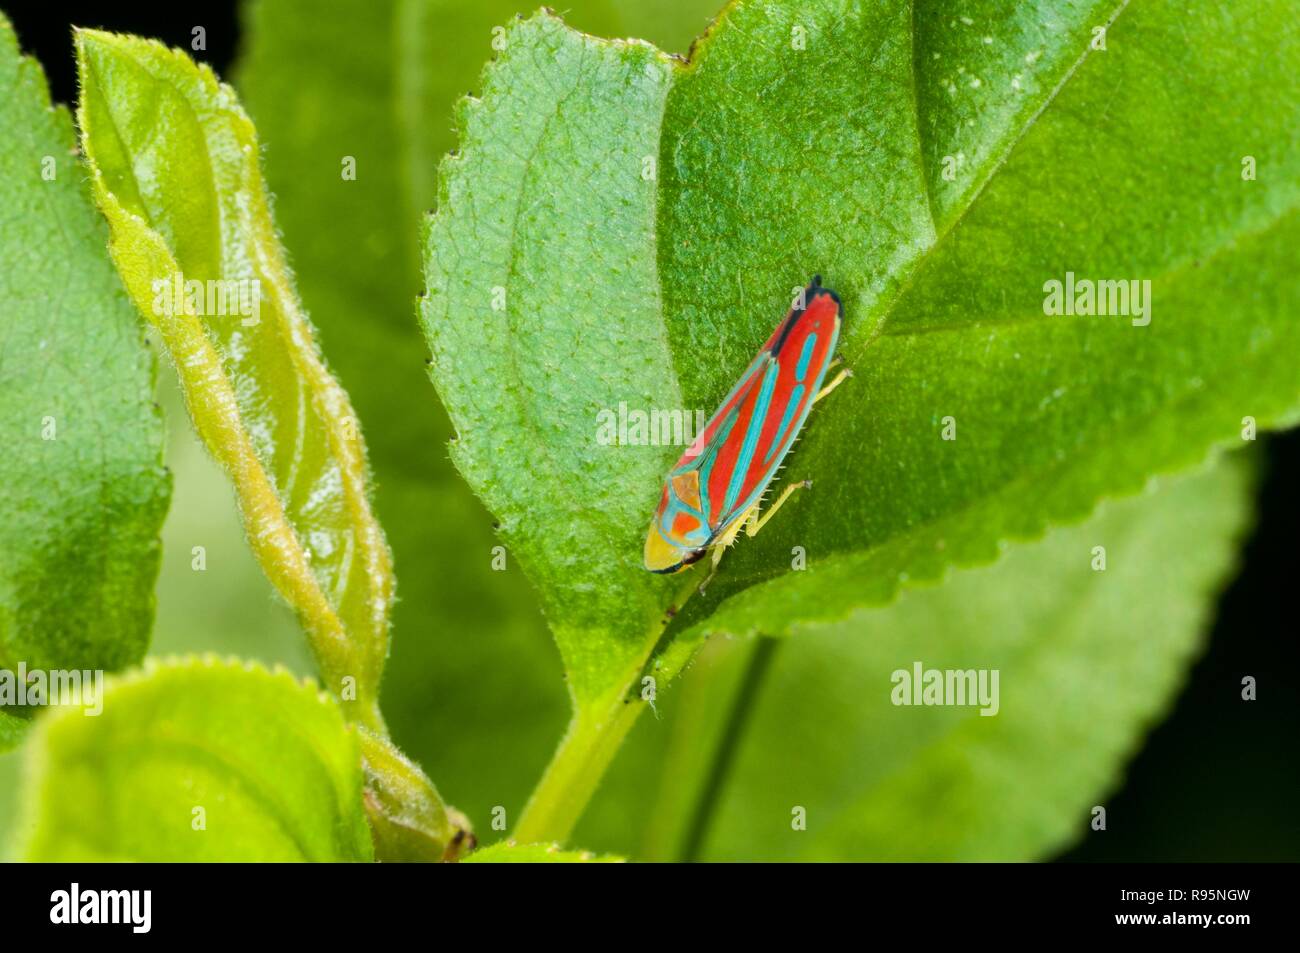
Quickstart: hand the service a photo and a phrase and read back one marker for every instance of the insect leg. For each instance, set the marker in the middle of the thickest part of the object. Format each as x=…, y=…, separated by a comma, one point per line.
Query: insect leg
x=755, y=523
x=836, y=382
x=715, y=558
x=725, y=541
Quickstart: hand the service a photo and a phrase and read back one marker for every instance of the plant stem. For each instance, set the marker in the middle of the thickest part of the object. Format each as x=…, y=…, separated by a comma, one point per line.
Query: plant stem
x=724, y=756
x=593, y=738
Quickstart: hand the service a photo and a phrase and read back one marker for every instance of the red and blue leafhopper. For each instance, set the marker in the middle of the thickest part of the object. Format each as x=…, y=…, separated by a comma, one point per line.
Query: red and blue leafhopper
x=716, y=488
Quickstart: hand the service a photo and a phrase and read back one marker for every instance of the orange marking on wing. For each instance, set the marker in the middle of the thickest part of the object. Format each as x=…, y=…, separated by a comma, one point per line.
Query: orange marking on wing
x=684, y=523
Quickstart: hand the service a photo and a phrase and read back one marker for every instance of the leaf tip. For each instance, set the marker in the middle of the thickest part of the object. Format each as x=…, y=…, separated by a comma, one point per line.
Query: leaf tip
x=91, y=43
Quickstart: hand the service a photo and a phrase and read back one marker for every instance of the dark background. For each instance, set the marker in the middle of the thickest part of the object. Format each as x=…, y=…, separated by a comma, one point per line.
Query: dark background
x=1216, y=780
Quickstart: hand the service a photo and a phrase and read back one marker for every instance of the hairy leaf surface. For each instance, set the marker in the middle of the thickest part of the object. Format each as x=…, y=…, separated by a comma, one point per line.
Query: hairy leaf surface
x=197, y=760
x=175, y=164
x=82, y=487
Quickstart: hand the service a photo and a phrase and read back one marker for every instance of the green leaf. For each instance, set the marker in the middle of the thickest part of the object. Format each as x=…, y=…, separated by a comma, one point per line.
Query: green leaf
x=267, y=758
x=509, y=852
x=803, y=138
x=1052, y=412
x=82, y=487
x=175, y=170
x=575, y=325
x=378, y=81
x=1087, y=661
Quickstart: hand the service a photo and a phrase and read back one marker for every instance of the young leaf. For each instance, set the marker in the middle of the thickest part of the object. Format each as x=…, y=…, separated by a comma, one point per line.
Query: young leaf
x=196, y=760
x=408, y=818
x=212, y=593
x=509, y=852
x=175, y=170
x=624, y=229
x=82, y=487
x=1087, y=660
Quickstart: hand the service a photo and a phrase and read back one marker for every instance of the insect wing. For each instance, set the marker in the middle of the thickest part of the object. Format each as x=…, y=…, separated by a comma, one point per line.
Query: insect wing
x=802, y=349
x=742, y=446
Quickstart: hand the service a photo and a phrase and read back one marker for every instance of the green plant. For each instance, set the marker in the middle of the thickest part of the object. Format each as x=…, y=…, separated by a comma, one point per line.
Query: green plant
x=621, y=226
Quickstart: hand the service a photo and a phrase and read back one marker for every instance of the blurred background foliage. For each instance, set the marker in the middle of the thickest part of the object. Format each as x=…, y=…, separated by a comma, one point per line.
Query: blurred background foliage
x=474, y=688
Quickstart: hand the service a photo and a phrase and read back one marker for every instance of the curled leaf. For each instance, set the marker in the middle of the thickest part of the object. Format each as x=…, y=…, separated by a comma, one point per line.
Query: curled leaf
x=174, y=164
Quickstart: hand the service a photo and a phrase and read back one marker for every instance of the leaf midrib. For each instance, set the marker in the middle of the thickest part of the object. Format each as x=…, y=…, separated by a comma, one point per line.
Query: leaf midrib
x=885, y=310
x=916, y=121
